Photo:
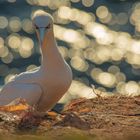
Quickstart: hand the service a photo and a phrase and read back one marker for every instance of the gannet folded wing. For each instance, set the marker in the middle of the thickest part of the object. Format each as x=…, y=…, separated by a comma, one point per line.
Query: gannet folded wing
x=29, y=91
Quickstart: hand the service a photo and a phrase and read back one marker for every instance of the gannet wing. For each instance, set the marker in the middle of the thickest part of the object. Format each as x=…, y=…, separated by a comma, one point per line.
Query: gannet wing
x=28, y=91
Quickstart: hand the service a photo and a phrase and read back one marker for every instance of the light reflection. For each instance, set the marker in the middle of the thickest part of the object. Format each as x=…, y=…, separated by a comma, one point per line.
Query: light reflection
x=63, y=51
x=43, y=2
x=76, y=38
x=70, y=36
x=113, y=19
x=74, y=14
x=64, y=12
x=14, y=41
x=3, y=22
x=107, y=79
x=122, y=18
x=132, y=88
x=133, y=58
x=75, y=1
x=77, y=89
x=8, y=58
x=51, y=4
x=31, y=67
x=12, y=1
x=27, y=26
x=76, y=52
x=26, y=47
x=8, y=78
x=80, y=89
x=103, y=54
x=25, y=54
x=1, y=42
x=116, y=54
x=100, y=32
x=27, y=44
x=107, y=20
x=79, y=64
x=15, y=24
x=102, y=12
x=120, y=77
x=95, y=72
x=113, y=69
x=4, y=51
x=135, y=47
x=87, y=3
x=120, y=88
x=134, y=19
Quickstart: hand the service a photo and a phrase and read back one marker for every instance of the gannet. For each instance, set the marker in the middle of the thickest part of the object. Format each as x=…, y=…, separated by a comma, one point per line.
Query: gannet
x=46, y=85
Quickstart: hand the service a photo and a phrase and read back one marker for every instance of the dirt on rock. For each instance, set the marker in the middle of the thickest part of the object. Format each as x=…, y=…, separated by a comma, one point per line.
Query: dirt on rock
x=115, y=117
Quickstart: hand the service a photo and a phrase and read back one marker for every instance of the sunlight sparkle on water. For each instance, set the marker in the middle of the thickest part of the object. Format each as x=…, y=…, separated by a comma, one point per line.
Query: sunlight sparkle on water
x=88, y=39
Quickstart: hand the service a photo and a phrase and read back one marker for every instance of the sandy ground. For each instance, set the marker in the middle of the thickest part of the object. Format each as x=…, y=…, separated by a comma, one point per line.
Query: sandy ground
x=115, y=117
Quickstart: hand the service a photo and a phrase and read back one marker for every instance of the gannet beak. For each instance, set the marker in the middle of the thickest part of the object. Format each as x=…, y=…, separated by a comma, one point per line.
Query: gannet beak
x=42, y=32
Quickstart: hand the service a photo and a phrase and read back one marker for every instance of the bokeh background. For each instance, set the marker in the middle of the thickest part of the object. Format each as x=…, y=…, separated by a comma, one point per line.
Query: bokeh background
x=100, y=39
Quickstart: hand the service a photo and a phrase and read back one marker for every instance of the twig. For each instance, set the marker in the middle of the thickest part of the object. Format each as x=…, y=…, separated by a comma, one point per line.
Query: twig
x=96, y=93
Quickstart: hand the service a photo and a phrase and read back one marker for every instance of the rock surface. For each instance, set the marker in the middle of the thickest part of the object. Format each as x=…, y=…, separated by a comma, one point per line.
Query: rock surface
x=105, y=118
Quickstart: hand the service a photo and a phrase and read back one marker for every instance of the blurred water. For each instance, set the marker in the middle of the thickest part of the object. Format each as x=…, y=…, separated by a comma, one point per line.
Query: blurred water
x=124, y=19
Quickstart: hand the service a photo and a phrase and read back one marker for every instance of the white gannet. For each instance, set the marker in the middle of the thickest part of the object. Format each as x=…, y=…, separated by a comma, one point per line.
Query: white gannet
x=46, y=85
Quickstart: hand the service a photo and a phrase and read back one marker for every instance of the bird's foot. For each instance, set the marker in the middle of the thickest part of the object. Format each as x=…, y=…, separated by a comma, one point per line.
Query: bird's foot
x=34, y=118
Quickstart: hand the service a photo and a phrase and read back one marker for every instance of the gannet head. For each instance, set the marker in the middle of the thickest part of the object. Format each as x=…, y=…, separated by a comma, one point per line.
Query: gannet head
x=42, y=22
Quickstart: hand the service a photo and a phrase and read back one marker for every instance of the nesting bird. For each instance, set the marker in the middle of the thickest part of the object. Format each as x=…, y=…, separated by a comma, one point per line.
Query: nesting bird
x=46, y=85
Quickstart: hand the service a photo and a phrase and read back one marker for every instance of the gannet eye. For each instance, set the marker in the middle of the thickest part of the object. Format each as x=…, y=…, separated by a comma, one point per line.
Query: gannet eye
x=48, y=26
x=36, y=27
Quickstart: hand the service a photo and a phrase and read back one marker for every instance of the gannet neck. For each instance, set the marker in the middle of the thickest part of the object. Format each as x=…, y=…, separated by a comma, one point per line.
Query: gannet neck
x=51, y=57
x=49, y=39
x=49, y=43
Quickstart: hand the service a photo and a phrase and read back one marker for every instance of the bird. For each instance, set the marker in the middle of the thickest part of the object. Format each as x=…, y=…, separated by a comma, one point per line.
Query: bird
x=44, y=86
